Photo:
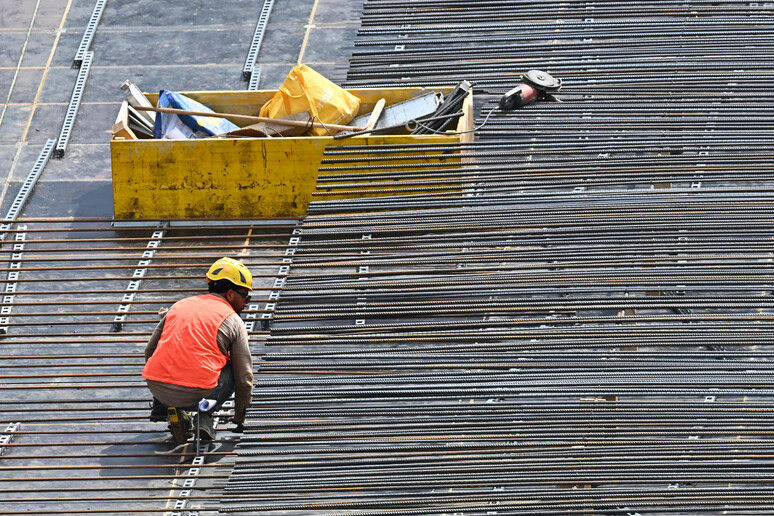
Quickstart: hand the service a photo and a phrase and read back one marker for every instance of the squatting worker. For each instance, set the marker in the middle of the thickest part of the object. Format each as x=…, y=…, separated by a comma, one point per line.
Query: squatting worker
x=200, y=350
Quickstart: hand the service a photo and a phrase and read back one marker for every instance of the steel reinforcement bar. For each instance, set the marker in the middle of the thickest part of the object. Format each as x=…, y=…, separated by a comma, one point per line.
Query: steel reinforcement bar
x=567, y=314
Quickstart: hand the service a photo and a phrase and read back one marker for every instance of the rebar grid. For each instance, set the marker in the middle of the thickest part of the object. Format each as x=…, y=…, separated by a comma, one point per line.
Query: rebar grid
x=71, y=381
x=569, y=314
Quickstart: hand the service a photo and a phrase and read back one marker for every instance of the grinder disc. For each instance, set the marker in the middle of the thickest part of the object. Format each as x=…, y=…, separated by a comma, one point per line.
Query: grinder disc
x=542, y=80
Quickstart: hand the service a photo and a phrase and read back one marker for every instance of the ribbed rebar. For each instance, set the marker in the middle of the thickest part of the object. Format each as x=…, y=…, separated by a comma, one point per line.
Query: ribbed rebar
x=568, y=313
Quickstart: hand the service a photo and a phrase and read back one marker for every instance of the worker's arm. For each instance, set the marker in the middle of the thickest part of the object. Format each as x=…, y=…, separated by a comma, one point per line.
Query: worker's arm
x=238, y=350
x=154, y=340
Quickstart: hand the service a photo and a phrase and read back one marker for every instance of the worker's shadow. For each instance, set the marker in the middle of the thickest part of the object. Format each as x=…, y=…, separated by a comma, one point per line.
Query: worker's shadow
x=154, y=453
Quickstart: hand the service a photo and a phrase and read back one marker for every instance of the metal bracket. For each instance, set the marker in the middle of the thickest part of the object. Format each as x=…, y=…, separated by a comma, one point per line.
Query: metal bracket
x=88, y=34
x=75, y=102
x=249, y=69
x=362, y=270
x=12, y=278
x=279, y=283
x=255, y=78
x=7, y=436
x=27, y=186
x=137, y=275
x=182, y=501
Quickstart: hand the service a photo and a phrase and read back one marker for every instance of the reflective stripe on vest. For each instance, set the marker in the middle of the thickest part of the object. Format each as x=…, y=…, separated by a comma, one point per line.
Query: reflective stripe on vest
x=187, y=353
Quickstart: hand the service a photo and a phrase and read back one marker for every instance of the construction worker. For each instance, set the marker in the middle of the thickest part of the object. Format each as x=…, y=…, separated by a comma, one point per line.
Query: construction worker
x=200, y=350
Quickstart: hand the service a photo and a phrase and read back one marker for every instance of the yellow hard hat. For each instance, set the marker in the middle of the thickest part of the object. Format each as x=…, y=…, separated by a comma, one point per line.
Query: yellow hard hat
x=232, y=270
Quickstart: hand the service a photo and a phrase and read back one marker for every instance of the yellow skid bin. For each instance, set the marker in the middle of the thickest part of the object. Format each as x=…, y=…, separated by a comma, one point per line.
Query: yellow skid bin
x=241, y=177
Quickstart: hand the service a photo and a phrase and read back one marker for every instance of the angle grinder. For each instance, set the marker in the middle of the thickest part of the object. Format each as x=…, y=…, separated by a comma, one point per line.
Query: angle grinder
x=535, y=85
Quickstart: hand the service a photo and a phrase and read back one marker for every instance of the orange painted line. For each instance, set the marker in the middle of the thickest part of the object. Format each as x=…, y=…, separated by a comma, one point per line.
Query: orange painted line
x=247, y=243
x=308, y=30
x=46, y=69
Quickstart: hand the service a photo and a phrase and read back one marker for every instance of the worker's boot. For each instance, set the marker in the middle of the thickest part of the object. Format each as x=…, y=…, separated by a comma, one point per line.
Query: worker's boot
x=158, y=411
x=180, y=424
x=206, y=427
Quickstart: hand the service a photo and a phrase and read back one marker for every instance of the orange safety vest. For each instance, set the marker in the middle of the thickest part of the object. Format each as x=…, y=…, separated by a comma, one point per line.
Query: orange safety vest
x=187, y=353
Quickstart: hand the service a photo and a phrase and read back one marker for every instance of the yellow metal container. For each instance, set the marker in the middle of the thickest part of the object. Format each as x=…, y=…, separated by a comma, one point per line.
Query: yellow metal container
x=241, y=177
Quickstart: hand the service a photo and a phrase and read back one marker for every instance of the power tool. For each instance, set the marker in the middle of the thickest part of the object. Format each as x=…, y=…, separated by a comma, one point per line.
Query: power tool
x=535, y=85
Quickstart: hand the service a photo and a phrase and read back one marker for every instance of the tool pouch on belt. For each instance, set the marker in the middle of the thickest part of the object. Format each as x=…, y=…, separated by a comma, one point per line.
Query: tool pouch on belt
x=306, y=90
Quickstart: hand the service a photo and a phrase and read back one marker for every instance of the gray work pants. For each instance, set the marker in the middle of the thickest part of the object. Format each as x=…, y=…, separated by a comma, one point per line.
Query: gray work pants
x=188, y=397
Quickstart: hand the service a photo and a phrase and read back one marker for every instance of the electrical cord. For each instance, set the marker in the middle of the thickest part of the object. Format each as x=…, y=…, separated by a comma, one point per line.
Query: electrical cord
x=417, y=123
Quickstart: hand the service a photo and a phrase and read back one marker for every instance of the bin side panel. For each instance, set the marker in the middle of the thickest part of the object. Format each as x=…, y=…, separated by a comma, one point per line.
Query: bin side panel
x=214, y=178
